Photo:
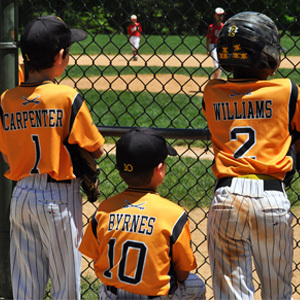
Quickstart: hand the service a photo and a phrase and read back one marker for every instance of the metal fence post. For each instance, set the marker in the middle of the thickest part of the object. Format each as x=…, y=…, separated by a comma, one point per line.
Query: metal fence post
x=8, y=79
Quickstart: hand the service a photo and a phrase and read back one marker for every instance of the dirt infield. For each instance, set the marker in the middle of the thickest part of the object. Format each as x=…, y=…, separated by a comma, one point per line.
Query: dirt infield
x=168, y=60
x=154, y=83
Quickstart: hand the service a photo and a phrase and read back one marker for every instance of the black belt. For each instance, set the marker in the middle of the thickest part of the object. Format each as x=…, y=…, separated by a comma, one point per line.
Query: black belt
x=269, y=185
x=114, y=290
x=50, y=179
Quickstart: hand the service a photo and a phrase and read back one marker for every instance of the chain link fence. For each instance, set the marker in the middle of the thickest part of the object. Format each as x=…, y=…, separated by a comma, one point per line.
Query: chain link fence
x=161, y=89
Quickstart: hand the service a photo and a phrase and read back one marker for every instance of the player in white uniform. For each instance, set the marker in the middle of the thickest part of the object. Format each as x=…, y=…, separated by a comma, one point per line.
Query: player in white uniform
x=46, y=207
x=252, y=121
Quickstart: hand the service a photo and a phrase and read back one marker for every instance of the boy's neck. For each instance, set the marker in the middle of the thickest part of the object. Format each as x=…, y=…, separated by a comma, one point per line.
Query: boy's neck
x=144, y=187
x=248, y=73
x=40, y=76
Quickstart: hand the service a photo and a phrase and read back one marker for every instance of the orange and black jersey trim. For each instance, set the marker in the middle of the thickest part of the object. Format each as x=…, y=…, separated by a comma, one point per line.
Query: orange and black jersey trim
x=35, y=120
x=252, y=124
x=136, y=245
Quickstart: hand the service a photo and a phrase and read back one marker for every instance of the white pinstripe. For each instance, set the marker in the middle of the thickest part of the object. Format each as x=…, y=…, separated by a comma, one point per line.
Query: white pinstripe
x=46, y=230
x=241, y=227
x=192, y=289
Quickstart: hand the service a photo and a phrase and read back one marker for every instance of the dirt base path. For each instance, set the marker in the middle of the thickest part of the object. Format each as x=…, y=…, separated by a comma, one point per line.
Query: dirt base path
x=179, y=60
x=154, y=83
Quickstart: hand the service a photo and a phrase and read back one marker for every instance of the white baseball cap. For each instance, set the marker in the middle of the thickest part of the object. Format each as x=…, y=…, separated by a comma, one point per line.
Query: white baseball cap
x=219, y=11
x=133, y=17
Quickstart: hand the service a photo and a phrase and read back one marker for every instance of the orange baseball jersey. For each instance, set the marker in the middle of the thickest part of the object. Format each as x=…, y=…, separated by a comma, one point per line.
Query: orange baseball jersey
x=47, y=113
x=136, y=239
x=251, y=122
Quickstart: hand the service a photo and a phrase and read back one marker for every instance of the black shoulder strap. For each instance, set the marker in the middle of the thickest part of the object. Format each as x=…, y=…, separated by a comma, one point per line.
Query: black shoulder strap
x=94, y=224
x=292, y=103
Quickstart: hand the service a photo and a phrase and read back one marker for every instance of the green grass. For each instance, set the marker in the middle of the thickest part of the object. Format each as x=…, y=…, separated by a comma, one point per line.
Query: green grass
x=145, y=109
x=188, y=182
x=77, y=71
x=89, y=288
x=155, y=44
x=150, y=44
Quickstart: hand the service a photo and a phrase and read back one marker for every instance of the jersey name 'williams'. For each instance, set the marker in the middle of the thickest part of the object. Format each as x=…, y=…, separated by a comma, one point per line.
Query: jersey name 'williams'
x=142, y=224
x=258, y=109
x=33, y=118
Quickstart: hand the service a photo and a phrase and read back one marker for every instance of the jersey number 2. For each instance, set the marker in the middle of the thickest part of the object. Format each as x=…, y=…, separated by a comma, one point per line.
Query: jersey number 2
x=126, y=247
x=36, y=141
x=248, y=144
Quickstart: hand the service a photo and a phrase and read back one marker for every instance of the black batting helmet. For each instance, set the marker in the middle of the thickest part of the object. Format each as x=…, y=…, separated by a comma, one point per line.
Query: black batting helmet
x=251, y=40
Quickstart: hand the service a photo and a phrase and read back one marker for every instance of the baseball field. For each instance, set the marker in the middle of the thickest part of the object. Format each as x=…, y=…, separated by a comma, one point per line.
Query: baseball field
x=169, y=83
x=173, y=84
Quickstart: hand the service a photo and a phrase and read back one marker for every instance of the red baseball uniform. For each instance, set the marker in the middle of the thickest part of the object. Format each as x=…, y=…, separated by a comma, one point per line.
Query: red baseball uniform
x=213, y=32
x=134, y=29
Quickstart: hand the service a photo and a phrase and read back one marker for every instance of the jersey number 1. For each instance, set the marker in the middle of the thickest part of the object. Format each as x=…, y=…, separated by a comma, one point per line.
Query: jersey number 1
x=36, y=140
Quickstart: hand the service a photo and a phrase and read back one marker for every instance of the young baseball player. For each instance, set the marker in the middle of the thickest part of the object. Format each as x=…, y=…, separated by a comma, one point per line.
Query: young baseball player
x=139, y=241
x=211, y=40
x=252, y=121
x=134, y=33
x=46, y=208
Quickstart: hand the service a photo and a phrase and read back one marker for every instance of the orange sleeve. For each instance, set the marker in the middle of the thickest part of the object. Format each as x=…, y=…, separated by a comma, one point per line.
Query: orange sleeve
x=183, y=257
x=85, y=134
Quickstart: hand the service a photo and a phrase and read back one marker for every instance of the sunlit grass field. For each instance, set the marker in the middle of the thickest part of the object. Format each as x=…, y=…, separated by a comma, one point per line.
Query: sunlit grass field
x=189, y=181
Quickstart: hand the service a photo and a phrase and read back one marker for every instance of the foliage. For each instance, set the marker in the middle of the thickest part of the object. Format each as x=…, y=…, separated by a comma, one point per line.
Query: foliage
x=180, y=17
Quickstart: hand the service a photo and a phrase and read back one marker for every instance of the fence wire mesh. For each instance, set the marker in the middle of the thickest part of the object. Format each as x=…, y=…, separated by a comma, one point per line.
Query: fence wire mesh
x=163, y=89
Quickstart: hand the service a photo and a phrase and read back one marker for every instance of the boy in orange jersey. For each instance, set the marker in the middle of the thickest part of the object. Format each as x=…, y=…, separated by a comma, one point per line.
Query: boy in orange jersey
x=46, y=206
x=253, y=122
x=139, y=241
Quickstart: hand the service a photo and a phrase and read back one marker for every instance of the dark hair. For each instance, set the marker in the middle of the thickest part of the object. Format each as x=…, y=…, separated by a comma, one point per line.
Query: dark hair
x=45, y=63
x=39, y=65
x=137, y=179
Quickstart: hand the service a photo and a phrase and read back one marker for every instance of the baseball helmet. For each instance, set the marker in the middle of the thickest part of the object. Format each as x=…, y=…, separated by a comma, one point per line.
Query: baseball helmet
x=250, y=40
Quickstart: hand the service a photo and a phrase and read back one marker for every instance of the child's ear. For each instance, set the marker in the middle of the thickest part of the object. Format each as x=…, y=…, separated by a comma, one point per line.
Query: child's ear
x=160, y=169
x=59, y=56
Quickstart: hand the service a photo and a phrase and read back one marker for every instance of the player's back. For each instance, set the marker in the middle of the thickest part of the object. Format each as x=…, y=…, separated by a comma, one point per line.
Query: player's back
x=35, y=118
x=140, y=233
x=250, y=121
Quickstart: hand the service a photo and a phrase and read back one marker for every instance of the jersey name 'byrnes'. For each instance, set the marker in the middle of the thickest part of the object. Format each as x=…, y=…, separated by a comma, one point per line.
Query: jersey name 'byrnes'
x=141, y=224
x=33, y=118
x=258, y=109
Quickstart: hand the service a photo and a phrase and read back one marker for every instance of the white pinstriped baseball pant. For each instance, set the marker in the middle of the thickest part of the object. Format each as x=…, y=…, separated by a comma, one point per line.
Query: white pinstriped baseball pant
x=192, y=289
x=46, y=230
x=245, y=221
x=214, y=55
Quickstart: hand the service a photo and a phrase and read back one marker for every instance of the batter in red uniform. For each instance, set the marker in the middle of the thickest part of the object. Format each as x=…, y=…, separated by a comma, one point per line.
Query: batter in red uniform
x=212, y=37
